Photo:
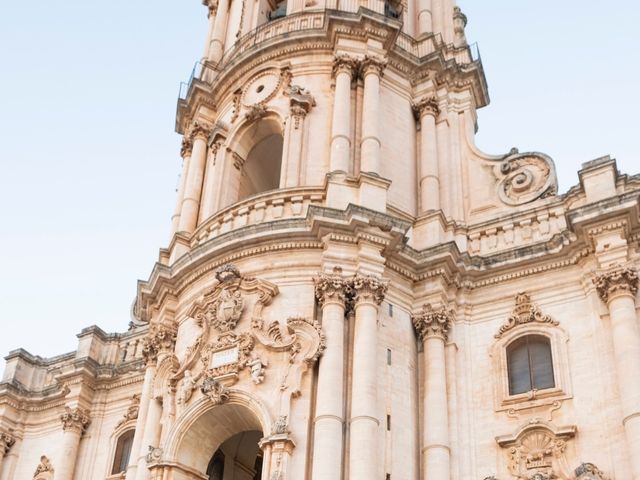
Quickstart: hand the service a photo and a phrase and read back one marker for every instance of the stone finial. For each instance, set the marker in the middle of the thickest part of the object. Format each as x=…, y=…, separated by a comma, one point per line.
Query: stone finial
x=75, y=419
x=524, y=312
x=199, y=130
x=6, y=442
x=367, y=288
x=618, y=281
x=372, y=64
x=432, y=323
x=43, y=467
x=331, y=288
x=186, y=147
x=160, y=338
x=345, y=63
x=426, y=106
x=459, y=24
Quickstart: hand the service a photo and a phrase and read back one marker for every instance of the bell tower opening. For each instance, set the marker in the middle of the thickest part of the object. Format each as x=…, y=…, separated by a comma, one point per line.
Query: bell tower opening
x=238, y=458
x=261, y=171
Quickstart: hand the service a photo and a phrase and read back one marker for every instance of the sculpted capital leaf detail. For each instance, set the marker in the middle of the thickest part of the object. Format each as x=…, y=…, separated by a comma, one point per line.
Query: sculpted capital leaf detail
x=367, y=288
x=76, y=419
x=160, y=338
x=331, y=287
x=620, y=280
x=432, y=322
x=525, y=312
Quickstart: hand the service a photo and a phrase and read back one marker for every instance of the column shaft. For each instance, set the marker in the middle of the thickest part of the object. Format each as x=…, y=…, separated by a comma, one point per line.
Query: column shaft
x=370, y=144
x=424, y=17
x=341, y=124
x=216, y=47
x=175, y=219
x=211, y=19
x=429, y=172
x=364, y=415
x=145, y=397
x=329, y=420
x=151, y=436
x=67, y=463
x=193, y=187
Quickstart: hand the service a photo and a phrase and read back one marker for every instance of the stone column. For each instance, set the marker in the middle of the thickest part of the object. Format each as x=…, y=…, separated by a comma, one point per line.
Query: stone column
x=159, y=338
x=195, y=175
x=343, y=68
x=212, y=6
x=618, y=288
x=432, y=327
x=368, y=293
x=185, y=153
x=427, y=110
x=300, y=104
x=216, y=46
x=372, y=68
x=424, y=17
x=74, y=422
x=151, y=436
x=328, y=442
x=6, y=442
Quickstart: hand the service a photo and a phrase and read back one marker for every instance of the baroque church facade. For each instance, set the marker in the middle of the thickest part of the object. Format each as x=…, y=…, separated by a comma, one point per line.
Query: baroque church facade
x=352, y=290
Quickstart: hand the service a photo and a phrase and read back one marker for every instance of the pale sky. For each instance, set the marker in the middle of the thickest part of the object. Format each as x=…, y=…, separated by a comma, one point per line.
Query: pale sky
x=89, y=158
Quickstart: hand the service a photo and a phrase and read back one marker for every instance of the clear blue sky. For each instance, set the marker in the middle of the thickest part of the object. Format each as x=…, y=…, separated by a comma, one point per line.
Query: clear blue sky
x=89, y=160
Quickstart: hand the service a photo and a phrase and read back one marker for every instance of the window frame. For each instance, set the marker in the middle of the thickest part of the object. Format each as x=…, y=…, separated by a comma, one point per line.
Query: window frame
x=526, y=342
x=120, y=430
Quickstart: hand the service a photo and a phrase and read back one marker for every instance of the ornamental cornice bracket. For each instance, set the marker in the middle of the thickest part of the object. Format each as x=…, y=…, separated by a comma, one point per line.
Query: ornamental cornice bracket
x=433, y=323
x=525, y=312
x=621, y=280
x=75, y=419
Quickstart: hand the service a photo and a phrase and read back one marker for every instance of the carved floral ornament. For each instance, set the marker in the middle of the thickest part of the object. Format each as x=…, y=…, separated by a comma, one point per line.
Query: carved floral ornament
x=358, y=67
x=160, y=338
x=75, y=419
x=622, y=280
x=432, y=323
x=199, y=130
x=224, y=348
x=525, y=312
x=526, y=177
x=426, y=106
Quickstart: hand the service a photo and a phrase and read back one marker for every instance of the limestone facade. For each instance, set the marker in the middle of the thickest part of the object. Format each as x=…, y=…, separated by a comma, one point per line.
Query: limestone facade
x=348, y=278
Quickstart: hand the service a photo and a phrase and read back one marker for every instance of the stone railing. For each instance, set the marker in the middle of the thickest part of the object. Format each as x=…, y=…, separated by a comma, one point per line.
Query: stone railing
x=261, y=208
x=515, y=232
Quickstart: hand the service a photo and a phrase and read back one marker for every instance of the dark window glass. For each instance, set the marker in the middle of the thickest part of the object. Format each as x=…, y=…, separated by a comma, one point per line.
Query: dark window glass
x=530, y=364
x=123, y=451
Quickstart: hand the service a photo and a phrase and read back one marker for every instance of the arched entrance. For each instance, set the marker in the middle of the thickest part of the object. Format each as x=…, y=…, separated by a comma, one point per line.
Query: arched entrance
x=238, y=458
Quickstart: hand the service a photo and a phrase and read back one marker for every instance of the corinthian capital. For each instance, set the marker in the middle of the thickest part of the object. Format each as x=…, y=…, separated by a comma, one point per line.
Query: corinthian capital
x=331, y=288
x=160, y=338
x=619, y=281
x=368, y=289
x=345, y=63
x=426, y=106
x=372, y=64
x=432, y=323
x=199, y=130
x=75, y=419
x=186, y=147
x=6, y=442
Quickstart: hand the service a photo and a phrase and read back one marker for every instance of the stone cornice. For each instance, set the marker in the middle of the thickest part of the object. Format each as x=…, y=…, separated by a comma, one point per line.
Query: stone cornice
x=615, y=282
x=75, y=419
x=432, y=323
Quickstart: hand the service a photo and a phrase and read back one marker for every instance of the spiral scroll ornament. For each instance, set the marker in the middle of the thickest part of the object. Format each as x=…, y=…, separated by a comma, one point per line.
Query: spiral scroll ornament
x=526, y=177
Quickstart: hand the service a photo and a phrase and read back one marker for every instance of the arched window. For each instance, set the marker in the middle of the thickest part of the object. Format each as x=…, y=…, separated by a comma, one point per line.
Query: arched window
x=261, y=171
x=215, y=470
x=530, y=364
x=123, y=452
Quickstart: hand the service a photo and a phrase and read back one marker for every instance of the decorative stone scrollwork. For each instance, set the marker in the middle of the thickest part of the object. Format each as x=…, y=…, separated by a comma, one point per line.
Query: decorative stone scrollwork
x=537, y=451
x=426, y=106
x=154, y=455
x=199, y=130
x=44, y=470
x=281, y=427
x=617, y=281
x=160, y=338
x=332, y=288
x=367, y=288
x=526, y=177
x=300, y=103
x=186, y=147
x=132, y=411
x=75, y=419
x=372, y=64
x=6, y=442
x=255, y=112
x=212, y=388
x=524, y=312
x=345, y=63
x=432, y=323
x=588, y=471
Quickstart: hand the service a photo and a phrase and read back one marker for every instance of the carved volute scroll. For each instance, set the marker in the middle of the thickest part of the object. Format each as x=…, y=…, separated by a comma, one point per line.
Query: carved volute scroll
x=525, y=312
x=432, y=322
x=617, y=281
x=75, y=419
x=526, y=177
x=426, y=106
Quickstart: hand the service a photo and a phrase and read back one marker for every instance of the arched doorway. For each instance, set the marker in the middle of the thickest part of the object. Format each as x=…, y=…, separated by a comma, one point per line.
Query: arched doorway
x=238, y=458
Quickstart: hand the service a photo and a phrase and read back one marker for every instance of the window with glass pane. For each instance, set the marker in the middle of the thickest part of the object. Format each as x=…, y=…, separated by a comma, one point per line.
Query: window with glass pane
x=123, y=451
x=530, y=364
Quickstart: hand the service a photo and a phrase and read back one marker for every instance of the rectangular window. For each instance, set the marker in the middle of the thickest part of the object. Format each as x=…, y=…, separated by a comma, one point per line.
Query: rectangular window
x=390, y=310
x=388, y=356
x=388, y=423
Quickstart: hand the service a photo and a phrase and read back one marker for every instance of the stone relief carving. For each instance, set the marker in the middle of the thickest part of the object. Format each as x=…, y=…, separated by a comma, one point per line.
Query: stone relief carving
x=300, y=103
x=538, y=451
x=525, y=177
x=367, y=288
x=154, y=455
x=432, y=322
x=332, y=287
x=160, y=338
x=213, y=389
x=281, y=426
x=189, y=384
x=619, y=280
x=256, y=365
x=588, y=471
x=6, y=442
x=524, y=312
x=426, y=106
x=44, y=467
x=132, y=411
x=75, y=419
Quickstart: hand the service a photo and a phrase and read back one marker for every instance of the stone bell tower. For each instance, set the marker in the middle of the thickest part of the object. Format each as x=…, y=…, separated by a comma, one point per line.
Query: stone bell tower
x=352, y=290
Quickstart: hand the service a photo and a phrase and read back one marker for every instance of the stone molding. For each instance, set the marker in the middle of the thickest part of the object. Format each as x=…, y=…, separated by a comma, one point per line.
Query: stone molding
x=186, y=147
x=6, y=442
x=525, y=312
x=160, y=338
x=75, y=419
x=368, y=289
x=433, y=323
x=332, y=288
x=345, y=63
x=619, y=281
x=426, y=106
